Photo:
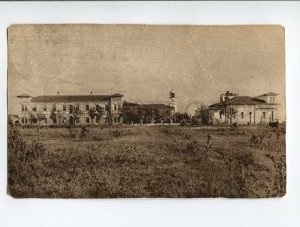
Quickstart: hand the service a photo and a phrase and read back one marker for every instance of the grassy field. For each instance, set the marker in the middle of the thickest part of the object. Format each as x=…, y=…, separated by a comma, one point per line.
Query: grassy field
x=147, y=161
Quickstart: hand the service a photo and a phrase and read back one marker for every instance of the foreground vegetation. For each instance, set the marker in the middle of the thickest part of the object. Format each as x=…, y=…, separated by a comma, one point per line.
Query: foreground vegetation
x=147, y=161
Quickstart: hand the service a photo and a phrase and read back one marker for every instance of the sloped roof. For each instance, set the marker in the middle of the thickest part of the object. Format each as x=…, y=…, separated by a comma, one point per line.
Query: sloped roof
x=239, y=100
x=267, y=94
x=70, y=98
x=270, y=94
x=117, y=95
x=24, y=96
x=148, y=106
x=155, y=106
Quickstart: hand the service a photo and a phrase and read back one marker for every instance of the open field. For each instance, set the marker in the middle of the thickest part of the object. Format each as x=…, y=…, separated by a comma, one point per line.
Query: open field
x=143, y=161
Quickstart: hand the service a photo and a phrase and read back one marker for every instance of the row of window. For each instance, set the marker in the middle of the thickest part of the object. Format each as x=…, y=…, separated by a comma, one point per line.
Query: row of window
x=72, y=108
x=242, y=115
x=24, y=120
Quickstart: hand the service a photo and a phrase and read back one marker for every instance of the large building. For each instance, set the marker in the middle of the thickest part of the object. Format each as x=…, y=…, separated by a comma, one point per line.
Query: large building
x=150, y=113
x=245, y=109
x=70, y=109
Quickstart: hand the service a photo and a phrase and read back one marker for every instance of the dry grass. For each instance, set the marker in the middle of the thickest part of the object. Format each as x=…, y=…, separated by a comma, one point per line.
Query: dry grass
x=141, y=161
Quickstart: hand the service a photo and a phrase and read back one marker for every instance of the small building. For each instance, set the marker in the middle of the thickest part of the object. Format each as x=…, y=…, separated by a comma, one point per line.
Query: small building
x=70, y=109
x=245, y=110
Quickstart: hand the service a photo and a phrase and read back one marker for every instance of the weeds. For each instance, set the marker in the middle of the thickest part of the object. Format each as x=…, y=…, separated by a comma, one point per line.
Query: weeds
x=144, y=162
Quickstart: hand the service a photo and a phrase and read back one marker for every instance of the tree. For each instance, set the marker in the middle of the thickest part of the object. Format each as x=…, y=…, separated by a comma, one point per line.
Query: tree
x=59, y=115
x=131, y=113
x=31, y=117
x=101, y=112
x=40, y=117
x=93, y=113
x=203, y=114
x=229, y=113
x=76, y=114
x=182, y=117
x=53, y=115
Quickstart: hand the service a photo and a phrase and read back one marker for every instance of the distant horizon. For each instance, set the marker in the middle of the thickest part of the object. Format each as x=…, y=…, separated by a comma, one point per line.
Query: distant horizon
x=144, y=62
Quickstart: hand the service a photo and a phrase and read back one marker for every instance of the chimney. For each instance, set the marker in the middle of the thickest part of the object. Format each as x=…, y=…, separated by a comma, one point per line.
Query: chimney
x=58, y=93
x=91, y=93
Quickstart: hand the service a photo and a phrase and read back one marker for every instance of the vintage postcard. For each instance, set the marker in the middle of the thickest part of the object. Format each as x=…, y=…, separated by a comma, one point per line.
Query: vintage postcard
x=146, y=111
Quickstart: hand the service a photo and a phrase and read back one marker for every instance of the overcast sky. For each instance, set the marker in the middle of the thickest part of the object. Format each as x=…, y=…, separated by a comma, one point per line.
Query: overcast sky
x=145, y=62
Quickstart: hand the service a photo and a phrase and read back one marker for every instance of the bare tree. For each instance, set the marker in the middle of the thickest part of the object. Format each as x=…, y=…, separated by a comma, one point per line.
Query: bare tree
x=101, y=112
x=40, y=117
x=229, y=113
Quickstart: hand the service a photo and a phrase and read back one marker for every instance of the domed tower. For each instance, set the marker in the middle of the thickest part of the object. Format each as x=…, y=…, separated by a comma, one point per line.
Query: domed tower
x=172, y=100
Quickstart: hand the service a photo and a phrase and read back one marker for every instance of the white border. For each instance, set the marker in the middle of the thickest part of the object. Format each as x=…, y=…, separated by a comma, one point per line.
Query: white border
x=160, y=212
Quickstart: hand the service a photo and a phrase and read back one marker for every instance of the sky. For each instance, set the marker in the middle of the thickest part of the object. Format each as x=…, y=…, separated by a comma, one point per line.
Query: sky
x=145, y=62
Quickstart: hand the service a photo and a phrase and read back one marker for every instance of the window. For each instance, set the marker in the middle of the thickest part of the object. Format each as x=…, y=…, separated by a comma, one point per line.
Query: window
x=97, y=107
x=34, y=120
x=34, y=108
x=64, y=107
x=26, y=120
x=115, y=106
x=87, y=120
x=242, y=115
x=250, y=116
x=106, y=107
x=70, y=108
x=77, y=120
x=87, y=107
x=24, y=108
x=220, y=115
x=45, y=108
x=23, y=121
x=264, y=114
x=77, y=107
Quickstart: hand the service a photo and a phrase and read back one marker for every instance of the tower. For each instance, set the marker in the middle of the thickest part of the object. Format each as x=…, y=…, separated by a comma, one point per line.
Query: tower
x=172, y=100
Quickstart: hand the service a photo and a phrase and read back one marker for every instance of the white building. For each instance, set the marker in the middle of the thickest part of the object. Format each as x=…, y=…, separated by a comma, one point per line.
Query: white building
x=246, y=110
x=70, y=109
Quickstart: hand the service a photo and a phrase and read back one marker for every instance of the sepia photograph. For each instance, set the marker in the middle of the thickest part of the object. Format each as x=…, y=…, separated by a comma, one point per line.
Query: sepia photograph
x=146, y=111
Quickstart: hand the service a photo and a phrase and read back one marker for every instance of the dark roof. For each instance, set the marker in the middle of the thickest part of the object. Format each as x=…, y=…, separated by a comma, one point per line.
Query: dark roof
x=70, y=98
x=24, y=96
x=117, y=95
x=155, y=106
x=147, y=106
x=239, y=100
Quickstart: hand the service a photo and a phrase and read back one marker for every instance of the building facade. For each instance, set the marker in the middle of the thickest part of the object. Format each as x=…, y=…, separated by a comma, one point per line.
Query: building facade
x=70, y=109
x=245, y=110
